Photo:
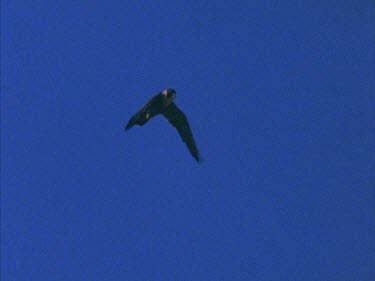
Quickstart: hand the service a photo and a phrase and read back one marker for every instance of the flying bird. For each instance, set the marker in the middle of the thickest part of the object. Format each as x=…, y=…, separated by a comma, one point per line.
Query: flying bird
x=162, y=103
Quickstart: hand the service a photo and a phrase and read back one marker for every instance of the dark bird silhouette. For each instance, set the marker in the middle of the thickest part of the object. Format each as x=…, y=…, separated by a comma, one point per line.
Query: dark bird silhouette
x=162, y=103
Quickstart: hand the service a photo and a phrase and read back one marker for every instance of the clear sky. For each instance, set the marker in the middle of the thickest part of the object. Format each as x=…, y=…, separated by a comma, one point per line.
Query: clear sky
x=280, y=98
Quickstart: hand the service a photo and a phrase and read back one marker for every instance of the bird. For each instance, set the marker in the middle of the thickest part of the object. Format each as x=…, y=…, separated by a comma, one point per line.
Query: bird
x=162, y=103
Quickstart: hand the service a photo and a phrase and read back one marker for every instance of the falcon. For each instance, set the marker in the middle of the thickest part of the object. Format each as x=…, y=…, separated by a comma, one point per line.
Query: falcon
x=162, y=103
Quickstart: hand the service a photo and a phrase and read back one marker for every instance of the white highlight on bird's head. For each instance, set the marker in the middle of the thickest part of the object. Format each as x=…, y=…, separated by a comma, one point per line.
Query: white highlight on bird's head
x=170, y=94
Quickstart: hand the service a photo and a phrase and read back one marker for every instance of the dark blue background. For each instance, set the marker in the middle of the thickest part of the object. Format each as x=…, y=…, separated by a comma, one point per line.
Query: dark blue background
x=280, y=99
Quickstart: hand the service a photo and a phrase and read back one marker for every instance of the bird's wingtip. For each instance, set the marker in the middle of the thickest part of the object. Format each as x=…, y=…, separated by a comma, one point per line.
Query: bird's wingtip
x=128, y=126
x=198, y=159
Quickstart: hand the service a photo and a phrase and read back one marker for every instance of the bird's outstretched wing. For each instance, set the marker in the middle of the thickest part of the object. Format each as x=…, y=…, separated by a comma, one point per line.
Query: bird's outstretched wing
x=178, y=119
x=148, y=111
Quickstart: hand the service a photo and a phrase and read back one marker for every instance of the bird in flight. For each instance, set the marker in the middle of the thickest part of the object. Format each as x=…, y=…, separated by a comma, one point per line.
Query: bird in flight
x=162, y=103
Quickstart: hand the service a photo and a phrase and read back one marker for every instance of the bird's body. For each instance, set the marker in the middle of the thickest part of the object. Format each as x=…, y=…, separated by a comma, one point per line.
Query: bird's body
x=162, y=103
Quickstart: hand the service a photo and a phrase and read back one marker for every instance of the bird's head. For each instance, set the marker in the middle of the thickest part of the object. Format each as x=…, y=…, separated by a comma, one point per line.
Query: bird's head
x=169, y=93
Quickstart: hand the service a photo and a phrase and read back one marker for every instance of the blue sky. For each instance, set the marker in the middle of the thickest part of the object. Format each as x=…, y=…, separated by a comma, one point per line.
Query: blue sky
x=280, y=98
